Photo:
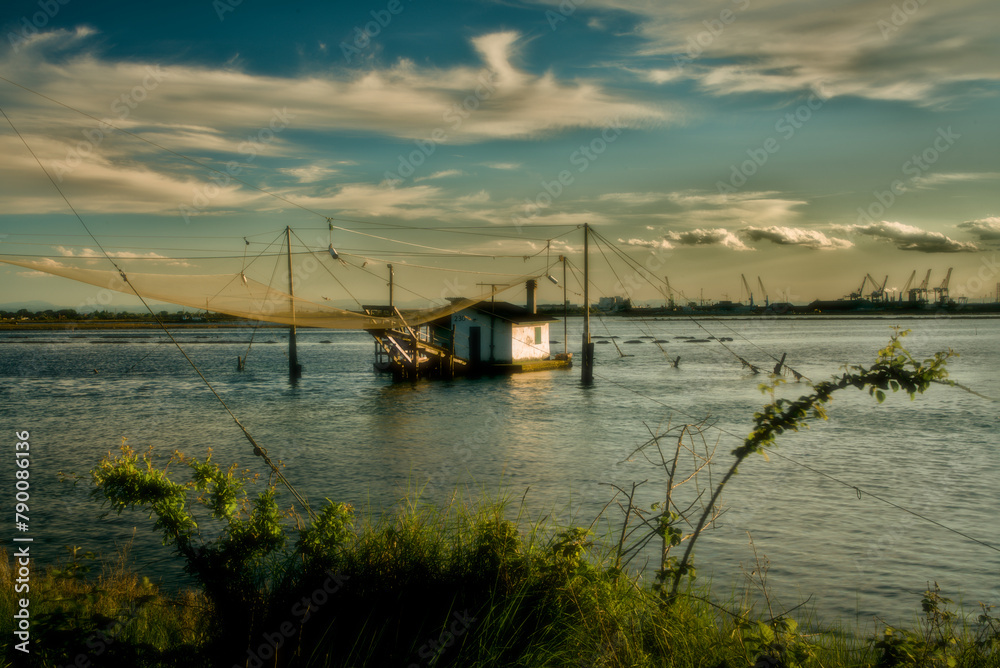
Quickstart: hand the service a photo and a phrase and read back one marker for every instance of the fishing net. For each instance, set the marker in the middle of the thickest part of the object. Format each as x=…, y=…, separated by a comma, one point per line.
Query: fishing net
x=247, y=289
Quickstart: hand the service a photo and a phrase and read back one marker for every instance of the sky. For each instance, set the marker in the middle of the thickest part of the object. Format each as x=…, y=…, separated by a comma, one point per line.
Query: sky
x=803, y=145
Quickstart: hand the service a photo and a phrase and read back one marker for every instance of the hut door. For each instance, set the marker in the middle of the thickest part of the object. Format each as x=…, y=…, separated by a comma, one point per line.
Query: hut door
x=475, y=345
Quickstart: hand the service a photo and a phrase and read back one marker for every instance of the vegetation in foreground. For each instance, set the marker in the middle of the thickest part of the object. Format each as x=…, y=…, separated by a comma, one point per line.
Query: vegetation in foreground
x=458, y=587
x=463, y=585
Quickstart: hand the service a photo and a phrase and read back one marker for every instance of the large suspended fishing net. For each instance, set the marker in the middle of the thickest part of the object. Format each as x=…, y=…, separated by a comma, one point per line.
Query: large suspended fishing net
x=247, y=288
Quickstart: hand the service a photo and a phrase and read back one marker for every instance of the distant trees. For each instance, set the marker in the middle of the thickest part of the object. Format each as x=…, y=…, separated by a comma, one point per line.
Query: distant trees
x=72, y=314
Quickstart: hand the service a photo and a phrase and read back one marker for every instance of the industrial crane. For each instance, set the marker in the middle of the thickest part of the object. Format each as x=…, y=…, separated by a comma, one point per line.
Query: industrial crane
x=906, y=288
x=878, y=293
x=941, y=293
x=860, y=291
x=763, y=291
x=919, y=293
x=670, y=293
x=749, y=292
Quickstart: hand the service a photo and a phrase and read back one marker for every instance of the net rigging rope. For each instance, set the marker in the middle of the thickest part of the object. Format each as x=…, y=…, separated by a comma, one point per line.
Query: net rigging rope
x=257, y=449
x=258, y=323
x=641, y=272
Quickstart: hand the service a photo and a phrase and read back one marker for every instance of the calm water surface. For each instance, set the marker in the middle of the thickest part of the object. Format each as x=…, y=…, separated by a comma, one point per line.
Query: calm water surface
x=350, y=435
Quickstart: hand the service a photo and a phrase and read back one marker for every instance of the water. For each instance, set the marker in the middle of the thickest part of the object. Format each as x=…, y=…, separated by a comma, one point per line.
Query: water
x=345, y=433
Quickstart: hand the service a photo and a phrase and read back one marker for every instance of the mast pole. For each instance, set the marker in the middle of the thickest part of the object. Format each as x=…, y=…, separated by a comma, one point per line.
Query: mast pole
x=294, y=368
x=587, y=372
x=565, y=311
x=390, y=286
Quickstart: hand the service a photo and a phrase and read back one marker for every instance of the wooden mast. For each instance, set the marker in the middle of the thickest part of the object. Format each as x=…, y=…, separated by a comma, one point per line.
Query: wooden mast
x=391, y=305
x=565, y=311
x=294, y=368
x=587, y=371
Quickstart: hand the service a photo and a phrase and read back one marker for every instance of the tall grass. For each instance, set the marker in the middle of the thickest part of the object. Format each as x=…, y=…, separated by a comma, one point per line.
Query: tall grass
x=91, y=612
x=466, y=584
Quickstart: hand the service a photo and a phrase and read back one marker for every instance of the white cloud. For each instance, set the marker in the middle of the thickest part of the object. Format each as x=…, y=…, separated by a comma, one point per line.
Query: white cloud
x=443, y=174
x=933, y=54
x=632, y=199
x=98, y=183
x=987, y=229
x=714, y=237
x=370, y=201
x=45, y=264
x=502, y=165
x=661, y=244
x=931, y=180
x=910, y=238
x=743, y=208
x=478, y=197
x=495, y=100
x=310, y=173
x=236, y=112
x=116, y=254
x=794, y=236
x=661, y=76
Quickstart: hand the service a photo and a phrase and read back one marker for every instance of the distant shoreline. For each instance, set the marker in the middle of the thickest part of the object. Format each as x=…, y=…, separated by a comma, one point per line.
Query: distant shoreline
x=123, y=324
x=72, y=325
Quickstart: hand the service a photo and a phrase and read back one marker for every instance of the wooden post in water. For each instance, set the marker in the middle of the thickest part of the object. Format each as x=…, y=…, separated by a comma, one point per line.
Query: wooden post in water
x=294, y=368
x=587, y=370
x=565, y=311
x=391, y=305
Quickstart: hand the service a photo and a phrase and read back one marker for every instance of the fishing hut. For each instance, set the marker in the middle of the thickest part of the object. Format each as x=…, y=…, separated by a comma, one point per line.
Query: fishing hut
x=486, y=338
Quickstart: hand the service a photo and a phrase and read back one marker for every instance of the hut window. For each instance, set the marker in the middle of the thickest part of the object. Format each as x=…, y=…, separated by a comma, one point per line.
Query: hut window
x=538, y=335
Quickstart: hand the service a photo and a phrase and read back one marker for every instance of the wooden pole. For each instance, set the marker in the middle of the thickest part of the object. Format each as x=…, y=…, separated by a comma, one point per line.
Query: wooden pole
x=294, y=368
x=391, y=305
x=565, y=311
x=587, y=372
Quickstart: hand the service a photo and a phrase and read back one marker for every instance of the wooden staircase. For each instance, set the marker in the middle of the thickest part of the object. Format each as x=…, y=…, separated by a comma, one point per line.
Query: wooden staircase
x=411, y=354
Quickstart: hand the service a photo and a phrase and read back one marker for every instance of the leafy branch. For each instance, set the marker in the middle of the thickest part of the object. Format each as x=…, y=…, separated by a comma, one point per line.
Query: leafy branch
x=247, y=558
x=895, y=369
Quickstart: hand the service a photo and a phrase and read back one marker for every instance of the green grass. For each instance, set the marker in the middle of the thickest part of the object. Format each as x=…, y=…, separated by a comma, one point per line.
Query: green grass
x=84, y=611
x=462, y=585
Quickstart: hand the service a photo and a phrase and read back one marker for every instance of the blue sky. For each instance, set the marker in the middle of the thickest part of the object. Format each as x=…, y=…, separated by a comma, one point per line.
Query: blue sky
x=808, y=143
